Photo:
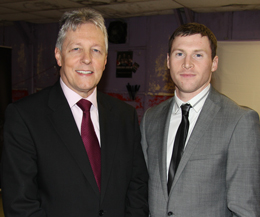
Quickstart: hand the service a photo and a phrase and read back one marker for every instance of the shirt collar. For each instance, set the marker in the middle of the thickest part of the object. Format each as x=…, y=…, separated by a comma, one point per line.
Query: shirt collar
x=196, y=102
x=72, y=97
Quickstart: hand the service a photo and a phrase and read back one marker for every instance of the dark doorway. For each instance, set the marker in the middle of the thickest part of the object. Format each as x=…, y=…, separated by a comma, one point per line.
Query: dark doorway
x=5, y=86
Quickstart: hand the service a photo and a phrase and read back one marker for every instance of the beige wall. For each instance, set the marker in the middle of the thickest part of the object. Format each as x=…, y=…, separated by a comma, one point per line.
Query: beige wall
x=238, y=74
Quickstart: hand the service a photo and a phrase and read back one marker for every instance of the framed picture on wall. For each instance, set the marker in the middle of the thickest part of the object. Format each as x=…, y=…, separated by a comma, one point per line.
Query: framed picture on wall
x=124, y=64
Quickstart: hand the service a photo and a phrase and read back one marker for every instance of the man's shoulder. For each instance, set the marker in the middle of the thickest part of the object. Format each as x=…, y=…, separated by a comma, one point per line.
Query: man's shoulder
x=228, y=105
x=35, y=100
x=161, y=107
x=156, y=113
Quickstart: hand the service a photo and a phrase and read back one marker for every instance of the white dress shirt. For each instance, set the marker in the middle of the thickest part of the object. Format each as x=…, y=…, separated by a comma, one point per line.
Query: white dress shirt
x=72, y=98
x=197, y=103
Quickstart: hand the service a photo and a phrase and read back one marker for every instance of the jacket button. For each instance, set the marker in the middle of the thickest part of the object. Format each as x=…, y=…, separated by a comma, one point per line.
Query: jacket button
x=101, y=212
x=170, y=213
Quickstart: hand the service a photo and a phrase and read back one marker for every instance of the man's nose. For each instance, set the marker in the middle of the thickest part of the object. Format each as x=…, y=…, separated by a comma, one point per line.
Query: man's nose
x=187, y=64
x=86, y=57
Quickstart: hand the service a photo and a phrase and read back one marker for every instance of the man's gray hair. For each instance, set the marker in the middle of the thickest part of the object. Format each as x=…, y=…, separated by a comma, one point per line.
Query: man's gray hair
x=73, y=19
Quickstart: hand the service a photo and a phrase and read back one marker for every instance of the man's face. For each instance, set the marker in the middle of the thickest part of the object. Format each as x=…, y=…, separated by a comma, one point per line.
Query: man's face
x=82, y=59
x=191, y=65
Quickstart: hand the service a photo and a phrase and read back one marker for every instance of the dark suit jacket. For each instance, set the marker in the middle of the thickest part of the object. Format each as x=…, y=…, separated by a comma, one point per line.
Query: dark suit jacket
x=45, y=168
x=219, y=172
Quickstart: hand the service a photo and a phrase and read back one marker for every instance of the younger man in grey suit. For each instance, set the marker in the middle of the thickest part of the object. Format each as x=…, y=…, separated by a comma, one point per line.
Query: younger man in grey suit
x=218, y=174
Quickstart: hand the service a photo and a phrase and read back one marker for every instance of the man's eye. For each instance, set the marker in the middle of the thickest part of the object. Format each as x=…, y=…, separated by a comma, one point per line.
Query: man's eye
x=179, y=54
x=198, y=55
x=95, y=50
x=75, y=49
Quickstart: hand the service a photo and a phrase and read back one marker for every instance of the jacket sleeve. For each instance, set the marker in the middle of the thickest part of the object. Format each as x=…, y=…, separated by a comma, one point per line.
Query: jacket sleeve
x=137, y=195
x=19, y=168
x=243, y=167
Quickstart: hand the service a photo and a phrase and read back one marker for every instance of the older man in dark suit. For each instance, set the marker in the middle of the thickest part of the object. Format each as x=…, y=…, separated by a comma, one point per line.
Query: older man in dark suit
x=69, y=150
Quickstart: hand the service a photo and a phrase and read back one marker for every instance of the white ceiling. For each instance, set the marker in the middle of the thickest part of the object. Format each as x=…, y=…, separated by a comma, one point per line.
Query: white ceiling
x=46, y=11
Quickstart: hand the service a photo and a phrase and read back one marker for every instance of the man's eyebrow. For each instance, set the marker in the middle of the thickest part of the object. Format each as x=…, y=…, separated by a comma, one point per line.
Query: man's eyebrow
x=199, y=50
x=177, y=49
x=73, y=44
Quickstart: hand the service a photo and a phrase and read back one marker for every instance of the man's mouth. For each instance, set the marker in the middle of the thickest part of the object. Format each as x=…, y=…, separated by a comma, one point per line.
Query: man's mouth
x=84, y=72
x=187, y=75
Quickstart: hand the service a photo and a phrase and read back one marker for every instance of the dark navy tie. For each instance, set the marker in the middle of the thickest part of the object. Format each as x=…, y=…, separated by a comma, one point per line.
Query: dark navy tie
x=179, y=144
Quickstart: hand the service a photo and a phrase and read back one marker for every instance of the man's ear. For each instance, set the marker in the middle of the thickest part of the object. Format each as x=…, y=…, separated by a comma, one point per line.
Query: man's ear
x=214, y=66
x=57, y=53
x=168, y=61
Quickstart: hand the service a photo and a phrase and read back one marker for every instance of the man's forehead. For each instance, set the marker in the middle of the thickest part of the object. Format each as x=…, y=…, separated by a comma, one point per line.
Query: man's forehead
x=191, y=35
x=188, y=37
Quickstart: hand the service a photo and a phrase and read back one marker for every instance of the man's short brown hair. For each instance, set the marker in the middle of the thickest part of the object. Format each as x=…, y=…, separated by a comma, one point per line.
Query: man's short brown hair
x=192, y=29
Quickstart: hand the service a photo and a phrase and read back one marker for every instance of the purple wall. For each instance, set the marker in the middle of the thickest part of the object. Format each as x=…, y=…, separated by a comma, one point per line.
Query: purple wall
x=34, y=64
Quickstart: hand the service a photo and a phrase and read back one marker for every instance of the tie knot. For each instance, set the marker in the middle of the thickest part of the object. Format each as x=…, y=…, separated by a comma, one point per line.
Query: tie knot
x=185, y=109
x=84, y=105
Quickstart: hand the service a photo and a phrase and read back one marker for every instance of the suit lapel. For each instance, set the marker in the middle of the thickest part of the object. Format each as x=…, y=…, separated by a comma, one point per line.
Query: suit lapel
x=108, y=120
x=206, y=117
x=64, y=124
x=164, y=123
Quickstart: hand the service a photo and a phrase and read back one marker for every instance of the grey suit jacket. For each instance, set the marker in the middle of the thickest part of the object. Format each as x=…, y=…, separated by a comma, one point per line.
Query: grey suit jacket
x=219, y=173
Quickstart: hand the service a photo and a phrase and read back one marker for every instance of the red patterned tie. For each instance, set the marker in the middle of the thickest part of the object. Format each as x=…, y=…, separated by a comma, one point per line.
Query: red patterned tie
x=90, y=140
